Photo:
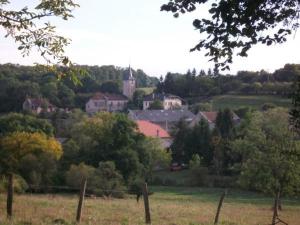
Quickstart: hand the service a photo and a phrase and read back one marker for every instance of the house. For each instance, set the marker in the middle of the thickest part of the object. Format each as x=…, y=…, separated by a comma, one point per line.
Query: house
x=106, y=102
x=153, y=130
x=166, y=119
x=211, y=117
x=38, y=105
x=169, y=101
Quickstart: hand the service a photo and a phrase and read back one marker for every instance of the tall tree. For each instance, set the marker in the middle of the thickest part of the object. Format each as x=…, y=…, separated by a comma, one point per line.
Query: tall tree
x=270, y=154
x=15, y=146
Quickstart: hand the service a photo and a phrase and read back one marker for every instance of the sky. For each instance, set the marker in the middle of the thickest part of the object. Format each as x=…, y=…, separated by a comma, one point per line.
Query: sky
x=136, y=32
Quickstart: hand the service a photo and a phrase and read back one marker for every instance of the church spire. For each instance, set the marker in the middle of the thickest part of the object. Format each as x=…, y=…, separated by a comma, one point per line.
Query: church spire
x=130, y=73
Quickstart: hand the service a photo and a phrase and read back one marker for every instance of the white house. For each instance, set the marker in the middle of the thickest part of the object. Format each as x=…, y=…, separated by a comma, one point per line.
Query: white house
x=168, y=101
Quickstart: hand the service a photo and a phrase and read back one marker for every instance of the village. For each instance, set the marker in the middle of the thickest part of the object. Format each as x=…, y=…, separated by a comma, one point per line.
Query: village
x=171, y=112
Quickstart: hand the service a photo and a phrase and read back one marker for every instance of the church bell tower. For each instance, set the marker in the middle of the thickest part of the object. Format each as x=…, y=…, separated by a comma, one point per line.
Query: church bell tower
x=129, y=84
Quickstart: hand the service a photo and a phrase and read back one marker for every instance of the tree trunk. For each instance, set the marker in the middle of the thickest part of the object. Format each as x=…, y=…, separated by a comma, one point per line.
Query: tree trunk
x=10, y=193
x=275, y=210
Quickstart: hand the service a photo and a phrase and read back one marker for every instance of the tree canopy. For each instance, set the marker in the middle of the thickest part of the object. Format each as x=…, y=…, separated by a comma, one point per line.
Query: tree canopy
x=25, y=28
x=233, y=27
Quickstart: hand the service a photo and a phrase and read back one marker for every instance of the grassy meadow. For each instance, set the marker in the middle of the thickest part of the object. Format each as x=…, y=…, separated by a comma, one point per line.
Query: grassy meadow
x=169, y=206
x=254, y=101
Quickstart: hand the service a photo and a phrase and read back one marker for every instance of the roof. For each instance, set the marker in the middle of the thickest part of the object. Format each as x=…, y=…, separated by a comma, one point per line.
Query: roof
x=162, y=115
x=159, y=96
x=128, y=74
x=151, y=130
x=39, y=102
x=109, y=97
x=212, y=116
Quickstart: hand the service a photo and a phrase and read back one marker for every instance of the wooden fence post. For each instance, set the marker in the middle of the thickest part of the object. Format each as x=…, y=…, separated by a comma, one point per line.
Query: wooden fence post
x=81, y=199
x=219, y=207
x=146, y=203
x=10, y=195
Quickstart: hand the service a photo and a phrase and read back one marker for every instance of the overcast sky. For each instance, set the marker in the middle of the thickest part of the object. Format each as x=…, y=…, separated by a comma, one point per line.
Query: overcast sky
x=119, y=32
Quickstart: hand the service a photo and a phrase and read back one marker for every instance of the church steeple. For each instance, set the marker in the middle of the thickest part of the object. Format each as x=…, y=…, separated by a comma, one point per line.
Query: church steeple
x=128, y=83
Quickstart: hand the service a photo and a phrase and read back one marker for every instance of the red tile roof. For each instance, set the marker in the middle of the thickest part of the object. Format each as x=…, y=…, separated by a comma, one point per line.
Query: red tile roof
x=151, y=130
x=210, y=116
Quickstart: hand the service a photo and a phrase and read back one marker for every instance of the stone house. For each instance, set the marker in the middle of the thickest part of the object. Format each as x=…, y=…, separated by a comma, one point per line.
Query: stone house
x=106, y=102
x=38, y=105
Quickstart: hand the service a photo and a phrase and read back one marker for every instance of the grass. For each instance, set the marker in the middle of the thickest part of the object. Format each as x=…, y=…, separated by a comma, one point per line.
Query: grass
x=254, y=101
x=169, y=206
x=147, y=90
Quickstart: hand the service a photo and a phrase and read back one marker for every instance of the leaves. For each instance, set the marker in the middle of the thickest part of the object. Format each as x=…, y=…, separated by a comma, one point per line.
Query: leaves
x=24, y=28
x=235, y=26
x=17, y=145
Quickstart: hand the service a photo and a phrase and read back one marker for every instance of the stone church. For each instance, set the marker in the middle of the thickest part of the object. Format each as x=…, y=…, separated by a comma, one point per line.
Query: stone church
x=129, y=84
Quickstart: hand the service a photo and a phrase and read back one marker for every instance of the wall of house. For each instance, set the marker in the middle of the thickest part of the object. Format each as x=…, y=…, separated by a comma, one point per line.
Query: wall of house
x=93, y=106
x=146, y=104
x=172, y=103
x=116, y=105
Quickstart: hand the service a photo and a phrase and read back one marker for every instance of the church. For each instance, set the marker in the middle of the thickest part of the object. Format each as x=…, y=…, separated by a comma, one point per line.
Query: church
x=113, y=102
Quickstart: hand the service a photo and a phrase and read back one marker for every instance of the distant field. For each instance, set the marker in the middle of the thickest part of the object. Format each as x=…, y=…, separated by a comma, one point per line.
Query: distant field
x=254, y=101
x=148, y=90
x=169, y=206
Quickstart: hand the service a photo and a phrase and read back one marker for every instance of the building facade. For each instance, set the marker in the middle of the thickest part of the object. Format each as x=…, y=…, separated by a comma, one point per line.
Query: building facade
x=106, y=102
x=168, y=101
x=38, y=105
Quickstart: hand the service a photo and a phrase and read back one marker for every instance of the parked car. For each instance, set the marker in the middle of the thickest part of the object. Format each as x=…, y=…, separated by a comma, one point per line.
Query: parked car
x=178, y=166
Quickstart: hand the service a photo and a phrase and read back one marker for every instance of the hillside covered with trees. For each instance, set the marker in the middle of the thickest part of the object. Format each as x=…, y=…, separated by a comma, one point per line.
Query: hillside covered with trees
x=17, y=82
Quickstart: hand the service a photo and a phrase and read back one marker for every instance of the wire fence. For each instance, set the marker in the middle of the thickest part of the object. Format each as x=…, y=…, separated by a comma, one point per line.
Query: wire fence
x=226, y=197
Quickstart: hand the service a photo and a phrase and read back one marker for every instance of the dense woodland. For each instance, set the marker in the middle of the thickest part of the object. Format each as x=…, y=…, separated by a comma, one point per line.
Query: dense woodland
x=194, y=84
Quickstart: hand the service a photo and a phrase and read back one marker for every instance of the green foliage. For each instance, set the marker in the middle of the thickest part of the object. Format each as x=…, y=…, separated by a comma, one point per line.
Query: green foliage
x=243, y=83
x=195, y=161
x=107, y=180
x=225, y=123
x=76, y=173
x=157, y=104
x=256, y=22
x=113, y=137
x=38, y=170
x=17, y=145
x=103, y=181
x=18, y=82
x=13, y=122
x=20, y=185
x=25, y=28
x=270, y=153
x=206, y=107
x=137, y=99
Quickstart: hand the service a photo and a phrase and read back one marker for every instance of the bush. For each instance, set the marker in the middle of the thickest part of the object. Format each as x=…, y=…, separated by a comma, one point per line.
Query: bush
x=199, y=176
x=107, y=181
x=20, y=185
x=76, y=173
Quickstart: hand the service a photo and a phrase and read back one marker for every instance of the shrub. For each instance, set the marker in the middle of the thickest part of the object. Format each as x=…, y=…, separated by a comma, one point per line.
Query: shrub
x=20, y=185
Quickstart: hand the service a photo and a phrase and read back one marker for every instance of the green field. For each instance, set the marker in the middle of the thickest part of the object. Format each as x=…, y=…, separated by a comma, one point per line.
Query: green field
x=147, y=90
x=254, y=101
x=169, y=206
